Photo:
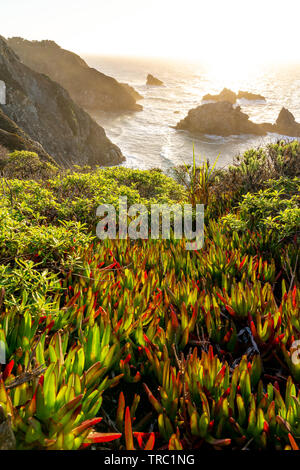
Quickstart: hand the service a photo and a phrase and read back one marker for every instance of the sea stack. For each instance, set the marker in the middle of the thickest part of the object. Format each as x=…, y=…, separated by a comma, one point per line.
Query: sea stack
x=231, y=97
x=153, y=81
x=220, y=118
x=286, y=124
x=224, y=95
x=250, y=96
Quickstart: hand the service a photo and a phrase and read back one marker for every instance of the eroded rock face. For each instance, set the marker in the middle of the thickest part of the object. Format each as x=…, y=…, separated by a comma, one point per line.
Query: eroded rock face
x=153, y=81
x=47, y=114
x=14, y=138
x=219, y=118
x=88, y=87
x=136, y=95
x=225, y=95
x=286, y=124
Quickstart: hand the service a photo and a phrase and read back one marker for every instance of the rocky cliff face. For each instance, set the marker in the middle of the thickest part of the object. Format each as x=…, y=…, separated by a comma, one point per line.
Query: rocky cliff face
x=88, y=87
x=47, y=114
x=219, y=118
x=13, y=138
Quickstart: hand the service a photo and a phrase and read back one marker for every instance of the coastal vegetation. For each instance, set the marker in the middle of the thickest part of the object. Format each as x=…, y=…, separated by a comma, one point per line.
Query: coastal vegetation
x=143, y=345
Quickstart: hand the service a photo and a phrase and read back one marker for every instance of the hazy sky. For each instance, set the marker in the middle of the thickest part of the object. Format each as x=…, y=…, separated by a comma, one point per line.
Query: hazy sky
x=230, y=31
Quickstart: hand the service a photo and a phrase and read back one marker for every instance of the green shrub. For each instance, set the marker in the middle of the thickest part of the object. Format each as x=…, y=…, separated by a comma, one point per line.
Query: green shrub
x=285, y=157
x=269, y=209
x=27, y=165
x=144, y=343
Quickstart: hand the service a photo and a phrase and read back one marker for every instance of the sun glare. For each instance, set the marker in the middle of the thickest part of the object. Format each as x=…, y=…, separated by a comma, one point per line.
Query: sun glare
x=231, y=72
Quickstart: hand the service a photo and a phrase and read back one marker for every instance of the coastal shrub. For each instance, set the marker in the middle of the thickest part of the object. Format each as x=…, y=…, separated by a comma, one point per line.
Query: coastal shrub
x=76, y=196
x=27, y=165
x=144, y=345
x=269, y=209
x=248, y=173
x=255, y=167
x=198, y=180
x=150, y=186
x=50, y=245
x=285, y=157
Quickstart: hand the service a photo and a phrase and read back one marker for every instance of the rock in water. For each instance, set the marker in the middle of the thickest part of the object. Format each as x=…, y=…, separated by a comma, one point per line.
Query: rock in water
x=153, y=81
x=219, y=119
x=250, y=96
x=47, y=114
x=225, y=95
x=286, y=124
x=87, y=86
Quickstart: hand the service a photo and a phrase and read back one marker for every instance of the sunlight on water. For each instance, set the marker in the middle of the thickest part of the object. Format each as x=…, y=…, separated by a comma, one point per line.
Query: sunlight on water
x=147, y=138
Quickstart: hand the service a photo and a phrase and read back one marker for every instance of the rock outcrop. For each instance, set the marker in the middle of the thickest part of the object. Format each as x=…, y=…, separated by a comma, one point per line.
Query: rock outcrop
x=132, y=91
x=250, y=96
x=225, y=95
x=47, y=114
x=88, y=87
x=285, y=124
x=231, y=97
x=223, y=119
x=219, y=118
x=153, y=81
x=14, y=138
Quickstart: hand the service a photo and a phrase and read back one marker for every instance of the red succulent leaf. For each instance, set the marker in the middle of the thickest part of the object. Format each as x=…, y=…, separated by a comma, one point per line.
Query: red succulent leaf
x=89, y=423
x=8, y=369
x=98, y=437
x=128, y=431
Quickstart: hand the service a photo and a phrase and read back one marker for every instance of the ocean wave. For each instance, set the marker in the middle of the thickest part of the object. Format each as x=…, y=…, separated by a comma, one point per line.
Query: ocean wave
x=245, y=102
x=143, y=135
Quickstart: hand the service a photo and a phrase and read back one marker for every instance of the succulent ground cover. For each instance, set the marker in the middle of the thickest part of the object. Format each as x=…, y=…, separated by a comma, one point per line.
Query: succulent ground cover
x=118, y=344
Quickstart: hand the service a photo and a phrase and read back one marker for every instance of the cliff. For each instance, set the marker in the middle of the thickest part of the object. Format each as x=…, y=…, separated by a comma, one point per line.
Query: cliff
x=14, y=138
x=87, y=86
x=47, y=114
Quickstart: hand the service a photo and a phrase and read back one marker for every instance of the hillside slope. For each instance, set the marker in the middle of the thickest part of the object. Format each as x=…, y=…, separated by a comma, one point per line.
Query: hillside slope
x=87, y=86
x=45, y=111
x=14, y=138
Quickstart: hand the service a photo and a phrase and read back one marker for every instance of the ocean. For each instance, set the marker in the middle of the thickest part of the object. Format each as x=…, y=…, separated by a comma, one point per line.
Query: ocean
x=147, y=138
